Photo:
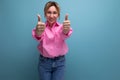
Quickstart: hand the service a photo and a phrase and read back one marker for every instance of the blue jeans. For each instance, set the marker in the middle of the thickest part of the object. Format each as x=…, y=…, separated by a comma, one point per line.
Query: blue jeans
x=51, y=68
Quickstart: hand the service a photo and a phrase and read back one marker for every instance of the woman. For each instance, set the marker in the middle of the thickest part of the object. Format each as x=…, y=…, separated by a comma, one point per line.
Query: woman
x=51, y=36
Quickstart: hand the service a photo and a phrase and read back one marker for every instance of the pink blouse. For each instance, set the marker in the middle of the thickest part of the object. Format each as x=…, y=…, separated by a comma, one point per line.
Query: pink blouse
x=52, y=41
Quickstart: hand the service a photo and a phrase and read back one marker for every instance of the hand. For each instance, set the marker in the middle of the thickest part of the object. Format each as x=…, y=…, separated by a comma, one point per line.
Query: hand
x=66, y=24
x=40, y=26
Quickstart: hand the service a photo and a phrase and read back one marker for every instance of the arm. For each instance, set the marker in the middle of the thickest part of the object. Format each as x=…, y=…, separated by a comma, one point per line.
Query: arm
x=67, y=35
x=67, y=30
x=38, y=32
x=36, y=36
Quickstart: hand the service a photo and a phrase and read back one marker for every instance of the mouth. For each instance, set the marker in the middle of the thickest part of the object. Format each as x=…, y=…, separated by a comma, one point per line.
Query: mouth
x=51, y=20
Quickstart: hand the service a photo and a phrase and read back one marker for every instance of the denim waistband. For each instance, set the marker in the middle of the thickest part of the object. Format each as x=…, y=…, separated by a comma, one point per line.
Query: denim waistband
x=54, y=58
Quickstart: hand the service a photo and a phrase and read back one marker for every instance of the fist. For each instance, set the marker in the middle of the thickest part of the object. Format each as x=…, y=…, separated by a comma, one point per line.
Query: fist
x=66, y=25
x=40, y=26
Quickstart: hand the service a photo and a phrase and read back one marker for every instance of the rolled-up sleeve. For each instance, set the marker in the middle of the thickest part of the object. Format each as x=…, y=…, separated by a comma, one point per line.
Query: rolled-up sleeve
x=35, y=36
x=65, y=36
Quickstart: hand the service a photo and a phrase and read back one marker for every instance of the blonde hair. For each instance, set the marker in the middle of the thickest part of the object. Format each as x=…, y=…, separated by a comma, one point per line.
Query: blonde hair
x=49, y=4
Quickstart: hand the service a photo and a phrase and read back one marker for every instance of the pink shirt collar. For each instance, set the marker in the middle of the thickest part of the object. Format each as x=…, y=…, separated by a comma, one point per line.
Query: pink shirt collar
x=56, y=24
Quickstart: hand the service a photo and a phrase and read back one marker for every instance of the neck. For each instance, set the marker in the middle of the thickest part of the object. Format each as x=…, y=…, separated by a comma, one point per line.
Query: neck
x=51, y=24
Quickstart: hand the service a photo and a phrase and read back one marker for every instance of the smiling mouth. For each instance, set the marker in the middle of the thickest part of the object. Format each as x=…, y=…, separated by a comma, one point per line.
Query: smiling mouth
x=51, y=20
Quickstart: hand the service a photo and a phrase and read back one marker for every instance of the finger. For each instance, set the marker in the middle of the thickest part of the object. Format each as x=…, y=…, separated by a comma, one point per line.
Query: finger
x=40, y=27
x=39, y=18
x=41, y=24
x=66, y=17
x=66, y=21
x=66, y=27
x=66, y=24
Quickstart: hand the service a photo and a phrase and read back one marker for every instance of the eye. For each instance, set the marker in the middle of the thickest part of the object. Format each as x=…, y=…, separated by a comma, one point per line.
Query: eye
x=49, y=12
x=55, y=12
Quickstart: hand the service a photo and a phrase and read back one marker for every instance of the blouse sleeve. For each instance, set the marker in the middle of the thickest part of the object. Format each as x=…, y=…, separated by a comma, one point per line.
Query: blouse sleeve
x=36, y=37
x=65, y=36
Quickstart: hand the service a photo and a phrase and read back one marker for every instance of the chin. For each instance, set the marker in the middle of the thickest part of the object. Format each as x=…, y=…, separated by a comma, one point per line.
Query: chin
x=51, y=22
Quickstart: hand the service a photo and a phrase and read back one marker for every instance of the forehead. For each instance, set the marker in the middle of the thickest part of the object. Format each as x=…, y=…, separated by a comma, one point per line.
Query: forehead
x=52, y=8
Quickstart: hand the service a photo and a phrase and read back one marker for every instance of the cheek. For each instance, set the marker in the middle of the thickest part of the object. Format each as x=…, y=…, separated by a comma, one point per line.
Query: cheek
x=56, y=16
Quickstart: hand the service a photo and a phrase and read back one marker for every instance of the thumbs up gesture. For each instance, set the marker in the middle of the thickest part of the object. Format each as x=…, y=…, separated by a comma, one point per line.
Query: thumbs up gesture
x=66, y=24
x=40, y=27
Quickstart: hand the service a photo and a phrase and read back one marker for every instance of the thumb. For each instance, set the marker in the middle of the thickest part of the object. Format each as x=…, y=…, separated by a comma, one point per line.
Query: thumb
x=39, y=18
x=66, y=17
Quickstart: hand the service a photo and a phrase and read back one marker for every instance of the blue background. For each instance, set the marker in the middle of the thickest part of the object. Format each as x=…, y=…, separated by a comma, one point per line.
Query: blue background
x=94, y=47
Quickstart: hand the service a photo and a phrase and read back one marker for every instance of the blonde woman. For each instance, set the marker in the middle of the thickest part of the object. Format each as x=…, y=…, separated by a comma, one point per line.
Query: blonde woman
x=51, y=36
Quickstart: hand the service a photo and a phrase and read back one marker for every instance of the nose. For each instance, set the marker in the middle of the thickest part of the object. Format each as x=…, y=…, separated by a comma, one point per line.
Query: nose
x=51, y=15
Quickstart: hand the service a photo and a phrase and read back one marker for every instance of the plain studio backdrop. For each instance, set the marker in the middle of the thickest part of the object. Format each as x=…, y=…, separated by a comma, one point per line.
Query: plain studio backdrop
x=94, y=47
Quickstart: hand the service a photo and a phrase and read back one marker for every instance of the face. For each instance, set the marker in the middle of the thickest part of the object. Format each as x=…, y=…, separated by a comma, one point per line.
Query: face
x=52, y=15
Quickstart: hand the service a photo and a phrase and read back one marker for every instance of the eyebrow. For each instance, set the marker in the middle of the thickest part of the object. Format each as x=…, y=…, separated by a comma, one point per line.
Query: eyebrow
x=52, y=12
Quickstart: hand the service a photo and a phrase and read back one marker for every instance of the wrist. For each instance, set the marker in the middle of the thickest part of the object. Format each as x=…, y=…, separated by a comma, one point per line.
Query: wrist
x=38, y=33
x=65, y=32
